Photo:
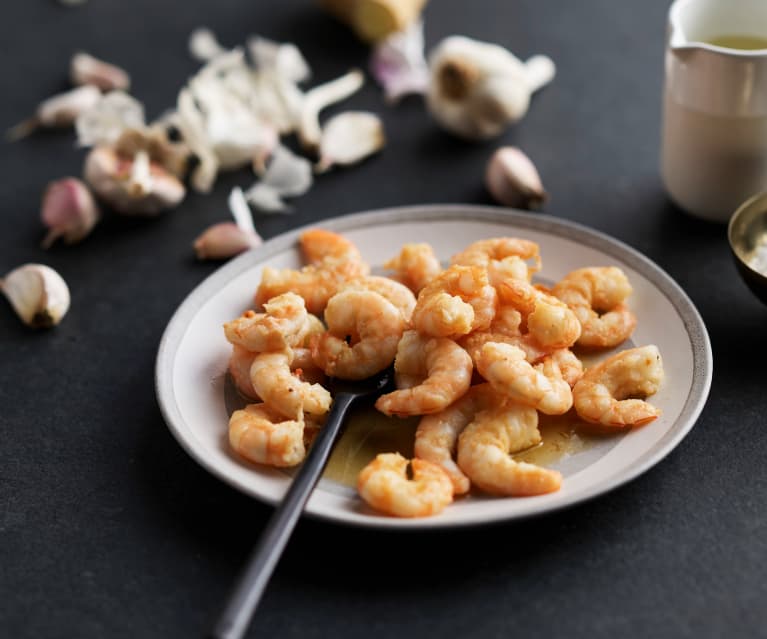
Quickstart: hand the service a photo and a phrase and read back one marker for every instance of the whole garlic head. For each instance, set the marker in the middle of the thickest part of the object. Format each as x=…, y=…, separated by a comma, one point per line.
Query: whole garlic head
x=478, y=89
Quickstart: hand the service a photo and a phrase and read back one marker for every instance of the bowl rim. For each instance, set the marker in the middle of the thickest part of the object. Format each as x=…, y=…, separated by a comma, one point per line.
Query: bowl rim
x=757, y=198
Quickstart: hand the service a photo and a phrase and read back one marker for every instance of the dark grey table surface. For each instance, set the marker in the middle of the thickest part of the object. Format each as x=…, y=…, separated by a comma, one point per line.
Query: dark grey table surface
x=109, y=529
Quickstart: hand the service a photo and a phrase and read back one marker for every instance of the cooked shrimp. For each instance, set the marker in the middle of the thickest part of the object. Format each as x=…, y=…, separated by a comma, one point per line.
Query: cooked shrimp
x=315, y=283
x=599, y=395
x=443, y=367
x=484, y=449
x=319, y=245
x=569, y=365
x=239, y=369
x=503, y=257
x=437, y=435
x=507, y=321
x=283, y=324
x=541, y=387
x=441, y=307
x=398, y=294
x=384, y=485
x=415, y=266
x=373, y=326
x=283, y=391
x=547, y=319
x=473, y=345
x=597, y=295
x=262, y=435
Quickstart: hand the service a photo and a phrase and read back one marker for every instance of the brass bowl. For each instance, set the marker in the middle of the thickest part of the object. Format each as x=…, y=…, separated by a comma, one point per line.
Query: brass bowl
x=748, y=226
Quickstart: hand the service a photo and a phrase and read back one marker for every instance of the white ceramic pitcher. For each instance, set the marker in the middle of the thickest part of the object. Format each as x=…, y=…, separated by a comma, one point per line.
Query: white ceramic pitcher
x=714, y=141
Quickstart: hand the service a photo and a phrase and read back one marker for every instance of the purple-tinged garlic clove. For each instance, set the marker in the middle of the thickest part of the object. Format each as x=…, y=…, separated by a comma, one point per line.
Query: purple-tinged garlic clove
x=131, y=187
x=513, y=180
x=84, y=70
x=38, y=294
x=224, y=240
x=68, y=211
x=398, y=63
x=61, y=110
x=348, y=138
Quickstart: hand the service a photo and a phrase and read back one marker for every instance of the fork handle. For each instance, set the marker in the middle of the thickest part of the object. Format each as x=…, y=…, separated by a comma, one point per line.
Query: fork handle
x=251, y=584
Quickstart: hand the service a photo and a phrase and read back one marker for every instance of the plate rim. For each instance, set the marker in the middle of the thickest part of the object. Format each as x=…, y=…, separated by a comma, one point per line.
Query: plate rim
x=695, y=327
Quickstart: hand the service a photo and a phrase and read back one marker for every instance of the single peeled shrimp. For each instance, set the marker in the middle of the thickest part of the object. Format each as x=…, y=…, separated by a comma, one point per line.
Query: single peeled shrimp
x=262, y=435
x=504, y=258
x=473, y=344
x=436, y=437
x=398, y=294
x=569, y=365
x=459, y=300
x=597, y=295
x=373, y=327
x=319, y=245
x=283, y=391
x=547, y=319
x=598, y=396
x=239, y=369
x=283, y=324
x=384, y=485
x=443, y=367
x=415, y=266
x=540, y=386
x=484, y=449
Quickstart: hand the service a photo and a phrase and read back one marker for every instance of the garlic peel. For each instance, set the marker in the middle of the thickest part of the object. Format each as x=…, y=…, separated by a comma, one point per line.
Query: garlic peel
x=84, y=69
x=60, y=110
x=68, y=210
x=204, y=46
x=399, y=65
x=108, y=119
x=540, y=70
x=38, y=294
x=266, y=198
x=348, y=138
x=309, y=131
x=513, y=180
x=287, y=175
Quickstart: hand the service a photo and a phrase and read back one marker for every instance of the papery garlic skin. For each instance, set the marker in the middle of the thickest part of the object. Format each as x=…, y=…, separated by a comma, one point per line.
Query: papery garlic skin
x=224, y=240
x=114, y=113
x=61, y=110
x=513, y=180
x=478, y=89
x=350, y=137
x=68, y=210
x=130, y=189
x=38, y=294
x=84, y=69
x=398, y=63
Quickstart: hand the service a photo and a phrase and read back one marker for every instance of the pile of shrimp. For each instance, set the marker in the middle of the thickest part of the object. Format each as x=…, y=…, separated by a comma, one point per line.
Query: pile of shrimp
x=478, y=350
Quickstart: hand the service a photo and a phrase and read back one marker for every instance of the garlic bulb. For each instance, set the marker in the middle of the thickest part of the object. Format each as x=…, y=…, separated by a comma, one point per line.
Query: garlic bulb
x=513, y=180
x=68, y=210
x=38, y=294
x=133, y=186
x=478, y=89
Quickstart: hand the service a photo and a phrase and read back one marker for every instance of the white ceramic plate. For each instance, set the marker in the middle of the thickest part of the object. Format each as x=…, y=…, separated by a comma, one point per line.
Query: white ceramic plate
x=193, y=357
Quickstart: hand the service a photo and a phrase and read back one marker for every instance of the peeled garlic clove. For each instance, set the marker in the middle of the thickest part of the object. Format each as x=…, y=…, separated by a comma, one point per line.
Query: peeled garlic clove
x=224, y=240
x=38, y=294
x=132, y=188
x=68, y=210
x=478, y=89
x=350, y=137
x=59, y=111
x=84, y=69
x=309, y=131
x=513, y=180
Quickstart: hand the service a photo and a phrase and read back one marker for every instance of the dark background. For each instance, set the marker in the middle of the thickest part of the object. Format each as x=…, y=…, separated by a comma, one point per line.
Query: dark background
x=108, y=529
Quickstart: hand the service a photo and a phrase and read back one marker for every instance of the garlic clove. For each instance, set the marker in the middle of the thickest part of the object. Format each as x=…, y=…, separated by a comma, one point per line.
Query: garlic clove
x=131, y=187
x=68, y=210
x=204, y=46
x=58, y=111
x=105, y=122
x=513, y=180
x=84, y=69
x=224, y=240
x=316, y=99
x=348, y=138
x=398, y=63
x=38, y=294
